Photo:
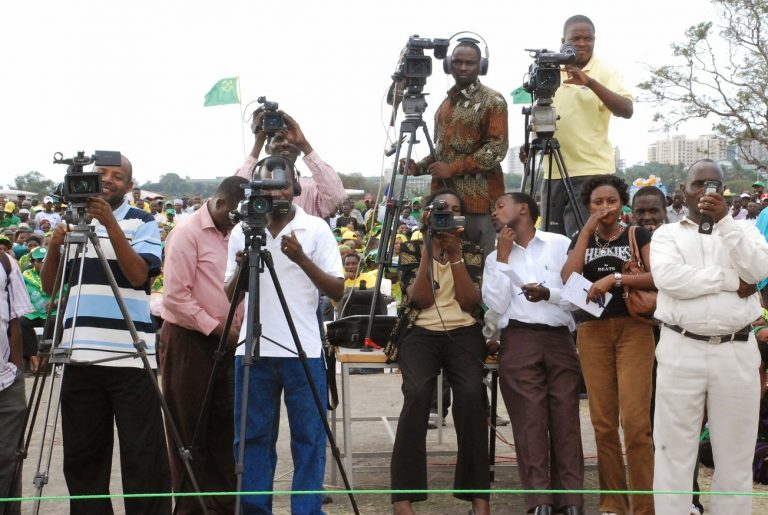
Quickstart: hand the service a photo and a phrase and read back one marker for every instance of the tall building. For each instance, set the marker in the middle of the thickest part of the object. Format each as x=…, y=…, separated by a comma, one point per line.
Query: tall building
x=514, y=166
x=678, y=149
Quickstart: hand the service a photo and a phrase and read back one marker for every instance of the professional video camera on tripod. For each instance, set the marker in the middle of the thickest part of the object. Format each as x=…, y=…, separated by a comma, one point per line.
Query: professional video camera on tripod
x=106, y=251
x=541, y=120
x=407, y=91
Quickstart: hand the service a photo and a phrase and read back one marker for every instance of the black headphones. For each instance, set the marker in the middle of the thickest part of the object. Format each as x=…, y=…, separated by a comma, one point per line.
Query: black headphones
x=483, y=60
x=273, y=162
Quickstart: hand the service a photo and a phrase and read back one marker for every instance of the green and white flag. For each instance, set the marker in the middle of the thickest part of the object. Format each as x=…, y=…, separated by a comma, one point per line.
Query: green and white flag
x=520, y=96
x=222, y=93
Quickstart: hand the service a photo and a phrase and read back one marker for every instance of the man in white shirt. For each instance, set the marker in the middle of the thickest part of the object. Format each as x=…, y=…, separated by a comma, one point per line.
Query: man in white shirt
x=47, y=214
x=677, y=210
x=307, y=262
x=538, y=366
x=707, y=355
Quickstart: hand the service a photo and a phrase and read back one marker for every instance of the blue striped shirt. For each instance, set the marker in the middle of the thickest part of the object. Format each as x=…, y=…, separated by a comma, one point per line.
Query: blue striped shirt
x=100, y=331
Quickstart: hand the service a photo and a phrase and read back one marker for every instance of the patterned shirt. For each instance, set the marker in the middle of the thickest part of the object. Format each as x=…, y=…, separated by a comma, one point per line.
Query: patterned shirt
x=13, y=295
x=471, y=137
x=100, y=330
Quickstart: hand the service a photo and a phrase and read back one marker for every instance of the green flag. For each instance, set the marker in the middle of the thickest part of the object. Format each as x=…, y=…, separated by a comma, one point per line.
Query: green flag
x=520, y=96
x=222, y=93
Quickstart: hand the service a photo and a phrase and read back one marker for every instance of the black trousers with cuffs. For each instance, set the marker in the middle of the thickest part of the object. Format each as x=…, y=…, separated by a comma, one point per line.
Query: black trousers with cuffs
x=422, y=354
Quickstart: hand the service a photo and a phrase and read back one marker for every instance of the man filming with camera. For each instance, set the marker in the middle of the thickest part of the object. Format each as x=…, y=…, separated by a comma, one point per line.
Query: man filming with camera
x=591, y=92
x=470, y=143
x=307, y=261
x=320, y=194
x=105, y=380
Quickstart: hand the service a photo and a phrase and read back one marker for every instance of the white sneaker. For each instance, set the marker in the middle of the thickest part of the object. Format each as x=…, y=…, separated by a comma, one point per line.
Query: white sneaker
x=694, y=510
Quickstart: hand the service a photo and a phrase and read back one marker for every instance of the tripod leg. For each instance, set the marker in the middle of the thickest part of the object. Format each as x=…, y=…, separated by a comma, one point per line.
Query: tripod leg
x=41, y=474
x=307, y=372
x=569, y=189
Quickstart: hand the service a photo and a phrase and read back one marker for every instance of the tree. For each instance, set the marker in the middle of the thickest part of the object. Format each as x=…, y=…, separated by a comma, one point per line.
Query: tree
x=731, y=87
x=33, y=181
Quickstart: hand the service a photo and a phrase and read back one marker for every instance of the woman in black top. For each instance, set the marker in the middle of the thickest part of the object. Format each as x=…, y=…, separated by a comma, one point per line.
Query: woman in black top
x=615, y=350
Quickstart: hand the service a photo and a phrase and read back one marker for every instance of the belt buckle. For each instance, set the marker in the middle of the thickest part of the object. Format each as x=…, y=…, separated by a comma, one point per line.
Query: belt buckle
x=715, y=340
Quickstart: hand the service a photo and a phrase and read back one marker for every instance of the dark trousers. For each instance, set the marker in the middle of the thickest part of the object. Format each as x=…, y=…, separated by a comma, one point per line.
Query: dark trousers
x=422, y=354
x=29, y=336
x=186, y=363
x=93, y=398
x=13, y=404
x=562, y=216
x=539, y=380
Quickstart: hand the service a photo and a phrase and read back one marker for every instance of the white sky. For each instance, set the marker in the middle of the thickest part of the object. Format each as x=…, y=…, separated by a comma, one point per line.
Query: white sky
x=131, y=75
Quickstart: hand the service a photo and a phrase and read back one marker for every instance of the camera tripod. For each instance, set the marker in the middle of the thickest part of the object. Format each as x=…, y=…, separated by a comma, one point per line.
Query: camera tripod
x=546, y=144
x=414, y=104
x=256, y=258
x=57, y=358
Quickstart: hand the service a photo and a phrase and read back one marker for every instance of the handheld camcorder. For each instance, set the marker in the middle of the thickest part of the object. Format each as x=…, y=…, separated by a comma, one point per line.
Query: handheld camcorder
x=272, y=120
x=258, y=203
x=544, y=72
x=441, y=218
x=78, y=186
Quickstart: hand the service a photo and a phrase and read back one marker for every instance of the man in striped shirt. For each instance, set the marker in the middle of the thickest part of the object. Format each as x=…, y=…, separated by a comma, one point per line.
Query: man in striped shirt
x=105, y=380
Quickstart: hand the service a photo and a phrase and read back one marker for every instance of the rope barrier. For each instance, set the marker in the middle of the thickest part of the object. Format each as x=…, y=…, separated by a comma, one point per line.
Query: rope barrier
x=499, y=491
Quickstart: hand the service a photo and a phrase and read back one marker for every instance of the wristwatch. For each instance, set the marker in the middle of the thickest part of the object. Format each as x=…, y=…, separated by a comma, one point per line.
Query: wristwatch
x=617, y=279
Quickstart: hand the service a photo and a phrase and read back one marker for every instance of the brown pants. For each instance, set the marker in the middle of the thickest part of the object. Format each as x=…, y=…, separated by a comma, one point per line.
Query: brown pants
x=186, y=361
x=539, y=380
x=617, y=359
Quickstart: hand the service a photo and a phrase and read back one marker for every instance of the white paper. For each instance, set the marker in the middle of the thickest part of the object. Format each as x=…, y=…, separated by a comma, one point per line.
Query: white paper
x=575, y=292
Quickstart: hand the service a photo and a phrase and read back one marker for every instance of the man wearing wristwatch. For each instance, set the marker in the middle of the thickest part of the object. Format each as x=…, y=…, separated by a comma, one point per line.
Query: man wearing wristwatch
x=707, y=355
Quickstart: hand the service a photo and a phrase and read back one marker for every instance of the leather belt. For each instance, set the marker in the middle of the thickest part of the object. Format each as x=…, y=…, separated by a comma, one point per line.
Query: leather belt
x=741, y=335
x=517, y=324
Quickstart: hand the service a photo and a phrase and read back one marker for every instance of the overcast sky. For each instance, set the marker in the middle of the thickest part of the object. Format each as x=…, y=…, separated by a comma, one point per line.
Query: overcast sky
x=131, y=75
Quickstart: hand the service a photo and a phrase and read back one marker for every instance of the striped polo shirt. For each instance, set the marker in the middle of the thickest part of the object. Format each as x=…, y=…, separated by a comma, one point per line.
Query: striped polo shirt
x=100, y=331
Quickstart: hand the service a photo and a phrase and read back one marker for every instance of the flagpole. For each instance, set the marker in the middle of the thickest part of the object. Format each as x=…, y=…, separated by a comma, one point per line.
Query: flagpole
x=241, y=115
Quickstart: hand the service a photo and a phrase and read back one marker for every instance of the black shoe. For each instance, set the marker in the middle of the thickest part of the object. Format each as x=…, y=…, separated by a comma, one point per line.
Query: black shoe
x=543, y=509
x=573, y=510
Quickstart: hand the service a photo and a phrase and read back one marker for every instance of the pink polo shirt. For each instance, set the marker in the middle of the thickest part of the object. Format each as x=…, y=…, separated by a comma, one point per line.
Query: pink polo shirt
x=193, y=274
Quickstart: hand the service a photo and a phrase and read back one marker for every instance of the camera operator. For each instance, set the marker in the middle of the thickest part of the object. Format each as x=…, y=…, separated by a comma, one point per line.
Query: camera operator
x=307, y=261
x=470, y=143
x=321, y=193
x=590, y=93
x=95, y=394
x=441, y=292
x=707, y=354
x=538, y=367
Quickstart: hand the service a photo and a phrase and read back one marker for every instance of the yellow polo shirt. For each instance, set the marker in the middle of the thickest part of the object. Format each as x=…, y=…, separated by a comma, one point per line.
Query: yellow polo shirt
x=583, y=125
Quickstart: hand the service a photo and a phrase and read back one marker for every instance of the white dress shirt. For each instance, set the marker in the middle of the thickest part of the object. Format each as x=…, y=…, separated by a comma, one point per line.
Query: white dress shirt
x=698, y=275
x=301, y=294
x=540, y=262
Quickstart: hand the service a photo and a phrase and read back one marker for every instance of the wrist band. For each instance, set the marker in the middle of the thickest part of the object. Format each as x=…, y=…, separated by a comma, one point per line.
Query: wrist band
x=457, y=262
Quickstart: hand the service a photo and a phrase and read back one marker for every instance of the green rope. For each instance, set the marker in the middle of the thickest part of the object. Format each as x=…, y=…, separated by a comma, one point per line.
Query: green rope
x=377, y=492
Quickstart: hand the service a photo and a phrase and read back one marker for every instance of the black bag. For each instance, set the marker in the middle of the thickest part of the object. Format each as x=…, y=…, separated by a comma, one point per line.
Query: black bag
x=350, y=331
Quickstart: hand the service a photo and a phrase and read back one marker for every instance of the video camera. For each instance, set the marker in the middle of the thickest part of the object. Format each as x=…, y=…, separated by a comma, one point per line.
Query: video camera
x=79, y=186
x=272, y=120
x=414, y=67
x=544, y=73
x=543, y=81
x=258, y=203
x=441, y=218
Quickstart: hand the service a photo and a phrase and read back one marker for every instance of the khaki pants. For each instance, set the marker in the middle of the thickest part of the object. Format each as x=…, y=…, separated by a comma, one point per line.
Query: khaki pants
x=724, y=378
x=616, y=357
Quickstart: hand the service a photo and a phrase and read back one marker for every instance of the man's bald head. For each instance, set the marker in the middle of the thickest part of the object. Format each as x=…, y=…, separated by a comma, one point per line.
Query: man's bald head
x=126, y=165
x=706, y=167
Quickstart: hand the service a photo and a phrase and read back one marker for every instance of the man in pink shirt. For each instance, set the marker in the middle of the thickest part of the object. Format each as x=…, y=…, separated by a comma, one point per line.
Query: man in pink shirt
x=321, y=193
x=195, y=309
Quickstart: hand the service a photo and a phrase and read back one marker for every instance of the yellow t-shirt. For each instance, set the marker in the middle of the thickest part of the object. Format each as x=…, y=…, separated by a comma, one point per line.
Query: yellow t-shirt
x=445, y=314
x=582, y=129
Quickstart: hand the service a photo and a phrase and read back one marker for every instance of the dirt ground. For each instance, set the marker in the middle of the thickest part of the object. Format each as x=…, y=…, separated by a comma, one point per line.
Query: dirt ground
x=373, y=395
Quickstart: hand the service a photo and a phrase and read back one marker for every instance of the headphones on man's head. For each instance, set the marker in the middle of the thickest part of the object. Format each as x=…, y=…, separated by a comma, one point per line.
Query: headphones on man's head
x=483, y=60
x=264, y=162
